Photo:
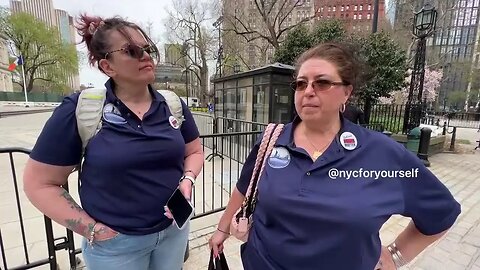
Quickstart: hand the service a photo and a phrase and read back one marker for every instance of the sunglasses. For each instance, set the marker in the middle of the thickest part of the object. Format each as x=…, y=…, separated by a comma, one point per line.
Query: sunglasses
x=318, y=85
x=136, y=51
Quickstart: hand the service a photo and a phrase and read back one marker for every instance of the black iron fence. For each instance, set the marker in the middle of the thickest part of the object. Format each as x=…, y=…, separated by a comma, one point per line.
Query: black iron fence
x=390, y=117
x=227, y=125
x=384, y=117
x=220, y=174
x=459, y=119
x=226, y=156
x=14, y=221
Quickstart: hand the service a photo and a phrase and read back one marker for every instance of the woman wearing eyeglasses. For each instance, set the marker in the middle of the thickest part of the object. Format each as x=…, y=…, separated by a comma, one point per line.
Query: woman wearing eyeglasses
x=131, y=166
x=322, y=203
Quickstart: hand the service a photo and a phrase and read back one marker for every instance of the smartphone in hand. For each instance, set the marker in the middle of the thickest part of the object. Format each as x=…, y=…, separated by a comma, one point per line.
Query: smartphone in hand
x=182, y=210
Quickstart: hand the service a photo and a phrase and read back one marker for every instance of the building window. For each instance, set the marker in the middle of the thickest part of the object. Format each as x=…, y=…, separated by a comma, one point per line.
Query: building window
x=334, y=8
x=329, y=9
x=359, y=16
x=368, y=16
x=369, y=7
x=361, y=7
x=354, y=16
x=342, y=8
x=355, y=8
x=348, y=7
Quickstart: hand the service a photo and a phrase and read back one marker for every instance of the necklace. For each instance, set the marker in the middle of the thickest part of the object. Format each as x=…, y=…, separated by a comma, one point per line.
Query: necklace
x=317, y=153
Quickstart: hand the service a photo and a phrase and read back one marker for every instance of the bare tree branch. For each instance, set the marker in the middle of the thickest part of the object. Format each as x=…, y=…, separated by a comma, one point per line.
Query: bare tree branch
x=188, y=23
x=280, y=33
x=278, y=14
x=270, y=25
x=271, y=7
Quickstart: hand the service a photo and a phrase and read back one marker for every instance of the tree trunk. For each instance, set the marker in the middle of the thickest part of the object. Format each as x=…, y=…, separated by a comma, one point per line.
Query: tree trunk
x=30, y=82
x=204, y=83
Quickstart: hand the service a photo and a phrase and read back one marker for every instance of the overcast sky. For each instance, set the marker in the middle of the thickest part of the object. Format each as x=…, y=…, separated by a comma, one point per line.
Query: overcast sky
x=138, y=11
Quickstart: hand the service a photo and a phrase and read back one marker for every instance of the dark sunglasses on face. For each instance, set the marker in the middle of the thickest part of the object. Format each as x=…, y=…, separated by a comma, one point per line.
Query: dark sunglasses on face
x=318, y=85
x=136, y=51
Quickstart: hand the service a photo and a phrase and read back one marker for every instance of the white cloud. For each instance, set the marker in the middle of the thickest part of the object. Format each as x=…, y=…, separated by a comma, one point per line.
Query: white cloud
x=138, y=11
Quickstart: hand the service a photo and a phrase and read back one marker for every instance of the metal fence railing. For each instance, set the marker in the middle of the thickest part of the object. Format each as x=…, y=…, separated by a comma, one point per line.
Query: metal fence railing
x=461, y=119
x=390, y=117
x=211, y=193
x=14, y=220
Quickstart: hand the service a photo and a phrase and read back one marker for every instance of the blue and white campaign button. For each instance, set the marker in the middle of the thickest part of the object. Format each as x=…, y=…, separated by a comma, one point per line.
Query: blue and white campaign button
x=112, y=115
x=279, y=158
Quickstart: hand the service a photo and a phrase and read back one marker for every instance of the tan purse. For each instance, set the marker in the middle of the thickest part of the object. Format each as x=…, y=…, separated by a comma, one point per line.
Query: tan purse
x=242, y=220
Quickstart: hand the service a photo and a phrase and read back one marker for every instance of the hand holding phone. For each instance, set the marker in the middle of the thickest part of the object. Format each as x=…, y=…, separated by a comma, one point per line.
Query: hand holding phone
x=180, y=208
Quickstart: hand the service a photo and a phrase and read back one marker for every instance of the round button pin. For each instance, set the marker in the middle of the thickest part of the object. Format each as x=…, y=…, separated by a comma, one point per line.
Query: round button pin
x=173, y=122
x=348, y=140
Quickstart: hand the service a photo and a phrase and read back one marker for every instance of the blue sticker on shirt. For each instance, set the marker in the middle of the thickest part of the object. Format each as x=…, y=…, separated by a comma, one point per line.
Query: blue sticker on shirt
x=279, y=158
x=112, y=115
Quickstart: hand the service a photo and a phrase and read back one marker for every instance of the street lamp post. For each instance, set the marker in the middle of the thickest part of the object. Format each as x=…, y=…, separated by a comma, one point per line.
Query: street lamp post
x=376, y=6
x=236, y=68
x=185, y=48
x=423, y=27
x=217, y=24
x=186, y=85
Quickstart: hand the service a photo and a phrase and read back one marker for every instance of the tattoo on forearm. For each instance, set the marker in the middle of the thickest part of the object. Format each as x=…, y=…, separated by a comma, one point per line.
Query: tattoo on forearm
x=77, y=226
x=71, y=201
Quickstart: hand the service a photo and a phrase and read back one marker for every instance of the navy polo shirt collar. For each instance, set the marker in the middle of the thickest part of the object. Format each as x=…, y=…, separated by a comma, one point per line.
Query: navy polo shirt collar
x=112, y=97
x=334, y=152
x=286, y=137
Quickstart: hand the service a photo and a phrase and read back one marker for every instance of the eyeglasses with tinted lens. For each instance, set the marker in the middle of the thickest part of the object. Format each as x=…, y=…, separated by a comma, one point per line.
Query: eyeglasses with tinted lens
x=136, y=51
x=318, y=85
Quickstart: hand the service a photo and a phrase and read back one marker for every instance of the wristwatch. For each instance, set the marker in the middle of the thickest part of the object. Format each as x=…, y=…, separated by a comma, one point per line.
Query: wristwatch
x=189, y=178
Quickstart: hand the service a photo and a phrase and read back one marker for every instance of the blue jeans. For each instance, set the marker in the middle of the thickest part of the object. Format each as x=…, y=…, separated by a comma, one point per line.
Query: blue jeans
x=164, y=250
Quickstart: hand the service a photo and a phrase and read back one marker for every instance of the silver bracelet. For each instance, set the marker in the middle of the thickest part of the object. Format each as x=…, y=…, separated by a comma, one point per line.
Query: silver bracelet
x=397, y=256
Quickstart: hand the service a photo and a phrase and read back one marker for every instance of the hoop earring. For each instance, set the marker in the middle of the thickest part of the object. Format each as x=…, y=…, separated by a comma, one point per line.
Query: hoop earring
x=342, y=108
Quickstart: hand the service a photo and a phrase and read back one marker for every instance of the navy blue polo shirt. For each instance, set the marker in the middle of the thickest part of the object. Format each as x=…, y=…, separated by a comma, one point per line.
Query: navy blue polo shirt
x=304, y=219
x=131, y=166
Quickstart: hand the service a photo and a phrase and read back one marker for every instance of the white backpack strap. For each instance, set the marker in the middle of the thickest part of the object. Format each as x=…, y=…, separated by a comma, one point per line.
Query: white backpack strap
x=174, y=104
x=89, y=113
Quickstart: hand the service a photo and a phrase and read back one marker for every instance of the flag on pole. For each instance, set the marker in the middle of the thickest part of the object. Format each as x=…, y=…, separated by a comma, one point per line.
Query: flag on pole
x=17, y=62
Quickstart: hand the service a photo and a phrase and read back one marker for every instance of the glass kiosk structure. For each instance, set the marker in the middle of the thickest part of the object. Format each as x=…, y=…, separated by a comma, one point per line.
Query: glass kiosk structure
x=262, y=95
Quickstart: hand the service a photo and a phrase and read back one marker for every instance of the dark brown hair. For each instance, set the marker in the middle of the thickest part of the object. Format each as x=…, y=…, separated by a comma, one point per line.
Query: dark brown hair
x=341, y=55
x=95, y=33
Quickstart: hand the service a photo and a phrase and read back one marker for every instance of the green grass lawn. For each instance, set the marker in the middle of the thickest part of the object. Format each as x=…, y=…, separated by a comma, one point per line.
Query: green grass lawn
x=390, y=123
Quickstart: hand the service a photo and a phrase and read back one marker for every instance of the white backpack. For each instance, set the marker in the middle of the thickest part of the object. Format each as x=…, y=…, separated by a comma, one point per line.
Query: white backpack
x=89, y=111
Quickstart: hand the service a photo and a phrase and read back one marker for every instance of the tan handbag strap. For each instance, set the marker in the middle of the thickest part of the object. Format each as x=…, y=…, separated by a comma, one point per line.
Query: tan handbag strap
x=270, y=136
x=271, y=144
